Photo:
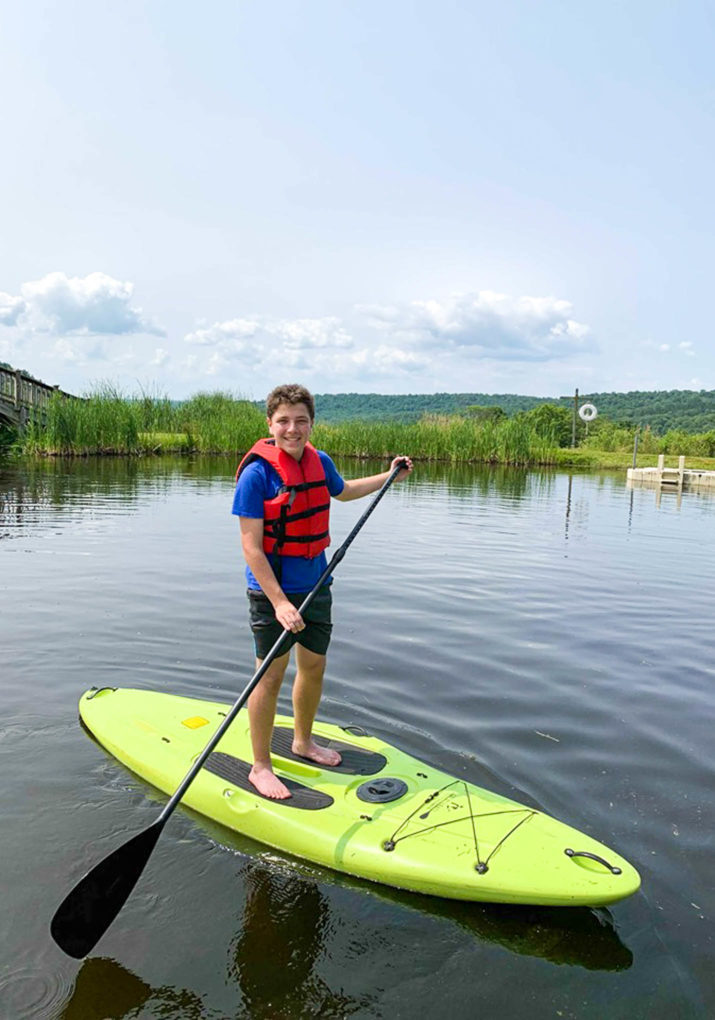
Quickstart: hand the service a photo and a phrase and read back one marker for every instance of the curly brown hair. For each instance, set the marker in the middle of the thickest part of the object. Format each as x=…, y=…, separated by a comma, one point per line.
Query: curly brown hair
x=290, y=393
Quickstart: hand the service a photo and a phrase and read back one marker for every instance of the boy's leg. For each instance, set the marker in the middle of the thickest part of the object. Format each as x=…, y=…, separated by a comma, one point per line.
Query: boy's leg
x=261, y=713
x=307, y=688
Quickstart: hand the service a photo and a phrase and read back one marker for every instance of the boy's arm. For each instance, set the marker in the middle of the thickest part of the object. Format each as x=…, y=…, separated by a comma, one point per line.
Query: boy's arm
x=355, y=488
x=252, y=543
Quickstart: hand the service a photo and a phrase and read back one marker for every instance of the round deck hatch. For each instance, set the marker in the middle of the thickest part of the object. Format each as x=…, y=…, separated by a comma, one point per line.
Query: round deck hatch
x=380, y=791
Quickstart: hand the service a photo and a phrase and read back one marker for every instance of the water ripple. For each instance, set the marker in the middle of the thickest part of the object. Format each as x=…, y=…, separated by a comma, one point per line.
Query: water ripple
x=540, y=633
x=31, y=993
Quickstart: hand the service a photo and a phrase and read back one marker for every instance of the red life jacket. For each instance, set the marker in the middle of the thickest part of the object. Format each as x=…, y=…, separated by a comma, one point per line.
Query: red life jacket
x=295, y=522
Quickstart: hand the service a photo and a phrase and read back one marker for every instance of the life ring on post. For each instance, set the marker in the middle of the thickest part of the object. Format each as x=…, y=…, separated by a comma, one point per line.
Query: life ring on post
x=587, y=412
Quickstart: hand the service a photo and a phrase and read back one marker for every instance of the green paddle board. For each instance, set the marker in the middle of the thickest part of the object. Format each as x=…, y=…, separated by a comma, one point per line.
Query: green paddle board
x=381, y=814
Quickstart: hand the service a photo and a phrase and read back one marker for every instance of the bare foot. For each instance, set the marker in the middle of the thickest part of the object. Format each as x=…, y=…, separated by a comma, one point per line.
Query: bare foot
x=314, y=752
x=267, y=783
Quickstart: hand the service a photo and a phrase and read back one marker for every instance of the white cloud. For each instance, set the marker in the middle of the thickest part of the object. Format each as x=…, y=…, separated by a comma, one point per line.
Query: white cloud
x=7, y=350
x=385, y=358
x=66, y=350
x=462, y=342
x=486, y=325
x=259, y=344
x=87, y=350
x=11, y=308
x=421, y=342
x=226, y=347
x=238, y=336
x=216, y=364
x=302, y=334
x=230, y=335
x=684, y=347
x=64, y=305
x=161, y=356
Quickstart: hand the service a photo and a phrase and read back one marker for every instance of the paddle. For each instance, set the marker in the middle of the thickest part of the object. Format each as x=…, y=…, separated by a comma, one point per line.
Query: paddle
x=90, y=907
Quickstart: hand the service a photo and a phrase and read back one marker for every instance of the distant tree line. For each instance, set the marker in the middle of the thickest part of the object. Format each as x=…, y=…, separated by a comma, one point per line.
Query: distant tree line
x=660, y=411
x=410, y=407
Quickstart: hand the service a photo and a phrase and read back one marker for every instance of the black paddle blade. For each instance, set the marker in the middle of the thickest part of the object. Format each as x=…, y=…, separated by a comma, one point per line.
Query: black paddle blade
x=88, y=910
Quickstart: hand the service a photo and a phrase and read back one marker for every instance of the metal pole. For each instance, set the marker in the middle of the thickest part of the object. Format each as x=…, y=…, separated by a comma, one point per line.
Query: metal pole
x=575, y=416
x=635, y=446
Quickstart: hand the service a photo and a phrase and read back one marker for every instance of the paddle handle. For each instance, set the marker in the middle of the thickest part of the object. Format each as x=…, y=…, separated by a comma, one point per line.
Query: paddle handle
x=273, y=653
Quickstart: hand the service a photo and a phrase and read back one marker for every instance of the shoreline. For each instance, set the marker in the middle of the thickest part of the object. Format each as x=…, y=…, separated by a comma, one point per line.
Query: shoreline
x=584, y=459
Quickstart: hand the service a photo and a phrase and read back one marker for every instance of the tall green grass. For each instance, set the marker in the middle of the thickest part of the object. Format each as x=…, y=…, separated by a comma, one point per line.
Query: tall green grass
x=613, y=438
x=107, y=421
x=8, y=438
x=451, y=439
x=219, y=423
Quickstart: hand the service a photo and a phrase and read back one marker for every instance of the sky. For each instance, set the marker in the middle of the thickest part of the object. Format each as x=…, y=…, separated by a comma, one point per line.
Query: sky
x=361, y=196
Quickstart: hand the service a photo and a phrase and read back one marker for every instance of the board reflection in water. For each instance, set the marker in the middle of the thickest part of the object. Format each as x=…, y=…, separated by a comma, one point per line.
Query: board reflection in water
x=276, y=954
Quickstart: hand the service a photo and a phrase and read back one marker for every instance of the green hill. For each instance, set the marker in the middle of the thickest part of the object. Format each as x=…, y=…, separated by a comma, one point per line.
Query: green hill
x=690, y=410
x=409, y=407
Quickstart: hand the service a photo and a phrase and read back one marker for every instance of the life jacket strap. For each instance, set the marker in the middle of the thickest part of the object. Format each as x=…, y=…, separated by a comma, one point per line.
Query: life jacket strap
x=300, y=487
x=299, y=538
x=301, y=516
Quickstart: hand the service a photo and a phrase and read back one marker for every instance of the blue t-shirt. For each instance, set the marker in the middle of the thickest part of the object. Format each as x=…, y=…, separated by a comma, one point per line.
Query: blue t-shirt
x=259, y=482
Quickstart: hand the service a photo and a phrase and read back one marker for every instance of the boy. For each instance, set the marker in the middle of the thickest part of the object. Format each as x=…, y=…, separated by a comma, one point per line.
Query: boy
x=283, y=491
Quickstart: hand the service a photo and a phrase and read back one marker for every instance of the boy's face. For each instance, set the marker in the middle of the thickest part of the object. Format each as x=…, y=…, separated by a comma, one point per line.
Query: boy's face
x=290, y=426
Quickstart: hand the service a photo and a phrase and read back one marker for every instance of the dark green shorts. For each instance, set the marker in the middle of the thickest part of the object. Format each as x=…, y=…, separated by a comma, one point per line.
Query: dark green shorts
x=266, y=629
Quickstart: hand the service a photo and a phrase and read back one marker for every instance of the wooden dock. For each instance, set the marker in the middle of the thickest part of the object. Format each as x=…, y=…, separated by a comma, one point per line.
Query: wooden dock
x=21, y=396
x=674, y=479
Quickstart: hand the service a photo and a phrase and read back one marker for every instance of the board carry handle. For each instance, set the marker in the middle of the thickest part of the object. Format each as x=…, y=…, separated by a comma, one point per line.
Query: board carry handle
x=593, y=857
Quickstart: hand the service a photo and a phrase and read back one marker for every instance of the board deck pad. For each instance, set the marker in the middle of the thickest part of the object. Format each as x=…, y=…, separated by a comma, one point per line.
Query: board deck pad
x=235, y=771
x=356, y=761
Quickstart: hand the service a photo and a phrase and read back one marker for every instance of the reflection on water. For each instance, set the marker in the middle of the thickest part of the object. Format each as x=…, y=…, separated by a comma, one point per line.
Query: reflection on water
x=282, y=907
x=285, y=933
x=577, y=938
x=542, y=634
x=33, y=491
x=55, y=491
x=105, y=990
x=277, y=951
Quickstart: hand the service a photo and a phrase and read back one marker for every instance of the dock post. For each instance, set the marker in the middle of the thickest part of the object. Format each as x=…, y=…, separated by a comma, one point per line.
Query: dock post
x=661, y=465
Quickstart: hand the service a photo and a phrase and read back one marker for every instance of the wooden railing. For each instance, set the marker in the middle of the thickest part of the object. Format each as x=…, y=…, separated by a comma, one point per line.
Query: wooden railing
x=21, y=395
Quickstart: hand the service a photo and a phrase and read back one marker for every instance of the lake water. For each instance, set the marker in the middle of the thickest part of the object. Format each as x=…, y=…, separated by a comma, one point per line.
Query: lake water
x=547, y=635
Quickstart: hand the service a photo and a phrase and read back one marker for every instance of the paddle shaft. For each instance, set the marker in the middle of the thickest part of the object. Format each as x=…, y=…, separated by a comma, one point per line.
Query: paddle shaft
x=275, y=651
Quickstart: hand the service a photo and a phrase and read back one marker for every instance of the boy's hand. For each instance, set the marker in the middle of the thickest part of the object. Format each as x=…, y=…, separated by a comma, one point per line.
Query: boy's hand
x=289, y=617
x=407, y=469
